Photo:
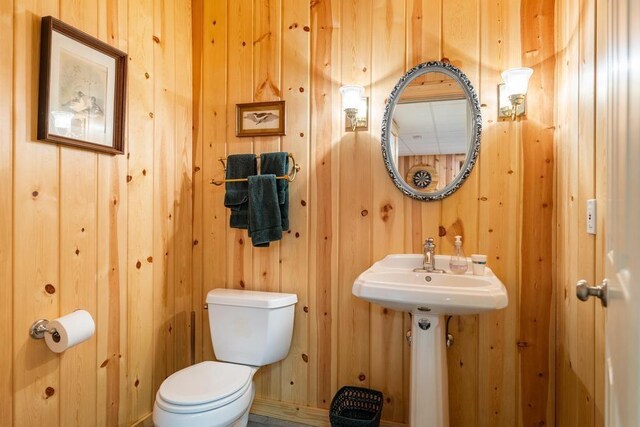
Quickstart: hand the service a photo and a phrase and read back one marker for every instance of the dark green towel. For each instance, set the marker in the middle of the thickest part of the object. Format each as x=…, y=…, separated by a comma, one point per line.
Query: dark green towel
x=278, y=164
x=264, y=210
x=237, y=196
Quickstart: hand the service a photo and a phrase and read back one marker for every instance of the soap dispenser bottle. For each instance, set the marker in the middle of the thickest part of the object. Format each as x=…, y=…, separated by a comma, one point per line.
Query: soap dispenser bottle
x=458, y=263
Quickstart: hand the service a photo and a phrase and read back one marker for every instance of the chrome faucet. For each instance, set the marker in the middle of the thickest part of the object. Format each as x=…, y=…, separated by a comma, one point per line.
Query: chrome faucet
x=429, y=263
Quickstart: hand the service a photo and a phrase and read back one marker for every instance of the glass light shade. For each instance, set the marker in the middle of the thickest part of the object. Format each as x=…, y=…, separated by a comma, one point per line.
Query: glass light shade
x=517, y=80
x=351, y=96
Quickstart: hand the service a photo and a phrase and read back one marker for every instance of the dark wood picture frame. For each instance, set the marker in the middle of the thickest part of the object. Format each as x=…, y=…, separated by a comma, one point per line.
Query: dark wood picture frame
x=259, y=111
x=113, y=144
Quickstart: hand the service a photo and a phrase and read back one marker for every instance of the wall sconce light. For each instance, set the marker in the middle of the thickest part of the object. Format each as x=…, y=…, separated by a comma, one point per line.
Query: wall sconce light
x=355, y=106
x=512, y=93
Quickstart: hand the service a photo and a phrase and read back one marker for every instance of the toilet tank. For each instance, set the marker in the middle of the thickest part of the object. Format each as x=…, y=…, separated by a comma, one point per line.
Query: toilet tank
x=250, y=327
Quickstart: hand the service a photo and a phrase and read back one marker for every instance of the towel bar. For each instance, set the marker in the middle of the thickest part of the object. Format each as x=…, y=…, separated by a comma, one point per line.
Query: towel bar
x=291, y=176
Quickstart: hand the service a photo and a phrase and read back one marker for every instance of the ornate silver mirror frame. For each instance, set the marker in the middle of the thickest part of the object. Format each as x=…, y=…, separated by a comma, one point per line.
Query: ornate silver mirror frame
x=474, y=146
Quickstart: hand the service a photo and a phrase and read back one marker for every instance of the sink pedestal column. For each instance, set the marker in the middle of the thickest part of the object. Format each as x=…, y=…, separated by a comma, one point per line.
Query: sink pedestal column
x=429, y=391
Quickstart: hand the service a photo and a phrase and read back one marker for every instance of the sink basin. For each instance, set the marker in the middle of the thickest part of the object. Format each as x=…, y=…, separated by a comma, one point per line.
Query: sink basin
x=392, y=283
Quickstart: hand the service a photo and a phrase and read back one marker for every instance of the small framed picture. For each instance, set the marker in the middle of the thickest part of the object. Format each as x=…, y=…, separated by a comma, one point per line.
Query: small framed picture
x=82, y=89
x=260, y=119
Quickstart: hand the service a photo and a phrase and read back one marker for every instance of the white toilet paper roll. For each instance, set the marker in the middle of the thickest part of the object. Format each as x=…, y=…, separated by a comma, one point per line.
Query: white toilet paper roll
x=73, y=329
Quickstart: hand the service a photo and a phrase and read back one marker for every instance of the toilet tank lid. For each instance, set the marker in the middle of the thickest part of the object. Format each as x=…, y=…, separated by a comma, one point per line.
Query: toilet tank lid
x=255, y=299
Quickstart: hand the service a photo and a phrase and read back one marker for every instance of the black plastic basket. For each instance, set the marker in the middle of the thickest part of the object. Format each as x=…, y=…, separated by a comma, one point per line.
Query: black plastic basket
x=356, y=406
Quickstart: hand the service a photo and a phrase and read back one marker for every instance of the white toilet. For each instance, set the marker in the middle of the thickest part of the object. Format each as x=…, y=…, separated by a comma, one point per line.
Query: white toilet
x=249, y=329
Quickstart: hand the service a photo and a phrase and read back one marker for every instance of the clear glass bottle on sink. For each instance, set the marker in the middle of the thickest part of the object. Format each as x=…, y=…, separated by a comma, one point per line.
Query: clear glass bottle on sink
x=458, y=263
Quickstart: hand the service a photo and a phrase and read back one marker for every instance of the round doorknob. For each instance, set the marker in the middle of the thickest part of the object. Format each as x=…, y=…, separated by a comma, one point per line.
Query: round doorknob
x=584, y=291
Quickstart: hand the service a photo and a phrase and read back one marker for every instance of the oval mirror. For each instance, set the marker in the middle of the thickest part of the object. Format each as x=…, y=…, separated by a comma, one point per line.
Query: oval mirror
x=431, y=131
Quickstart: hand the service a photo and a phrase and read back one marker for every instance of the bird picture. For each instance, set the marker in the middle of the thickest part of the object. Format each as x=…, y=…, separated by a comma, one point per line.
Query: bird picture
x=82, y=104
x=261, y=117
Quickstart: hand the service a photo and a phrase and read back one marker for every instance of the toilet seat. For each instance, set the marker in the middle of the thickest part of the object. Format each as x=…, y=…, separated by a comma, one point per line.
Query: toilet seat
x=204, y=387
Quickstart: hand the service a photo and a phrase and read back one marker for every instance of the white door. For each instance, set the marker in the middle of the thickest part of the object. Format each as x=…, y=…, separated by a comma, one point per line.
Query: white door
x=623, y=215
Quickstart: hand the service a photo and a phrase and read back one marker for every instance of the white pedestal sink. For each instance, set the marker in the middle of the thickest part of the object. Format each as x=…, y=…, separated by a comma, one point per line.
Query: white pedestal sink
x=392, y=283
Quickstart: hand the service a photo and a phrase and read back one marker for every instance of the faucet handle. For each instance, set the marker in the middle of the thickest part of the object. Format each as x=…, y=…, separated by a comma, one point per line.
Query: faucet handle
x=429, y=242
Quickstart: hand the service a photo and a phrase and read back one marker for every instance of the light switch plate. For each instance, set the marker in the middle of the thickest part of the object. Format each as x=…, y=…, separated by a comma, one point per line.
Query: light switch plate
x=591, y=216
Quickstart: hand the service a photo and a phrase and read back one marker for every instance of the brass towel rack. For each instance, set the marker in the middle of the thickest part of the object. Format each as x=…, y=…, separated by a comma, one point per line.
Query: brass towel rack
x=291, y=176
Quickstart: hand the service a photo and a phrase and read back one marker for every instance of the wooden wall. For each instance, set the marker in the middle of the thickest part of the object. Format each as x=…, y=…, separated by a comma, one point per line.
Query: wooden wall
x=581, y=175
x=110, y=234
x=346, y=213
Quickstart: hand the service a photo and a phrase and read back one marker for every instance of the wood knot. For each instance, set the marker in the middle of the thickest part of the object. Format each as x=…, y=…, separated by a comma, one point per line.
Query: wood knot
x=156, y=39
x=138, y=265
x=362, y=377
x=49, y=391
x=50, y=289
x=364, y=212
x=303, y=203
x=242, y=284
x=442, y=231
x=150, y=259
x=35, y=194
x=305, y=309
x=306, y=28
x=305, y=358
x=386, y=212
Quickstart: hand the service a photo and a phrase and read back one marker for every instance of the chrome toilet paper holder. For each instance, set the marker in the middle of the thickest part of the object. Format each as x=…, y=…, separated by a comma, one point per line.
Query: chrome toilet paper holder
x=40, y=327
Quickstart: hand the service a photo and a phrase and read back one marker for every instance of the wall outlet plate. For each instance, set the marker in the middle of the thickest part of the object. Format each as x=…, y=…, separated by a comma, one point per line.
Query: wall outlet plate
x=591, y=216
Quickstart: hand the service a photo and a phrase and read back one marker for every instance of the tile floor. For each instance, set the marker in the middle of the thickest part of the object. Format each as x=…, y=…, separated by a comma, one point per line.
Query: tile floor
x=261, y=421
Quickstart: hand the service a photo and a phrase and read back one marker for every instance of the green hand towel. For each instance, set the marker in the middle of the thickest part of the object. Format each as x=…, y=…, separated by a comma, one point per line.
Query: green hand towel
x=278, y=164
x=237, y=193
x=264, y=210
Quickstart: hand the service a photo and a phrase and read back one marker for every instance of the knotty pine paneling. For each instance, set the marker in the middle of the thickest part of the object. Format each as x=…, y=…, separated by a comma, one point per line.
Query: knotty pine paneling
x=6, y=218
x=347, y=214
x=581, y=175
x=110, y=234
x=537, y=321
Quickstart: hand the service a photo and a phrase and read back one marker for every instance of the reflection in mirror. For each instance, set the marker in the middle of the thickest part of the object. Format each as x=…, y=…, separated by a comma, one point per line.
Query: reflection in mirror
x=433, y=134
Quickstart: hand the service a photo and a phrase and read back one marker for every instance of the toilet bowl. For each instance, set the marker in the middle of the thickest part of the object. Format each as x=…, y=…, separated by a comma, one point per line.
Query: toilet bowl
x=209, y=394
x=249, y=329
